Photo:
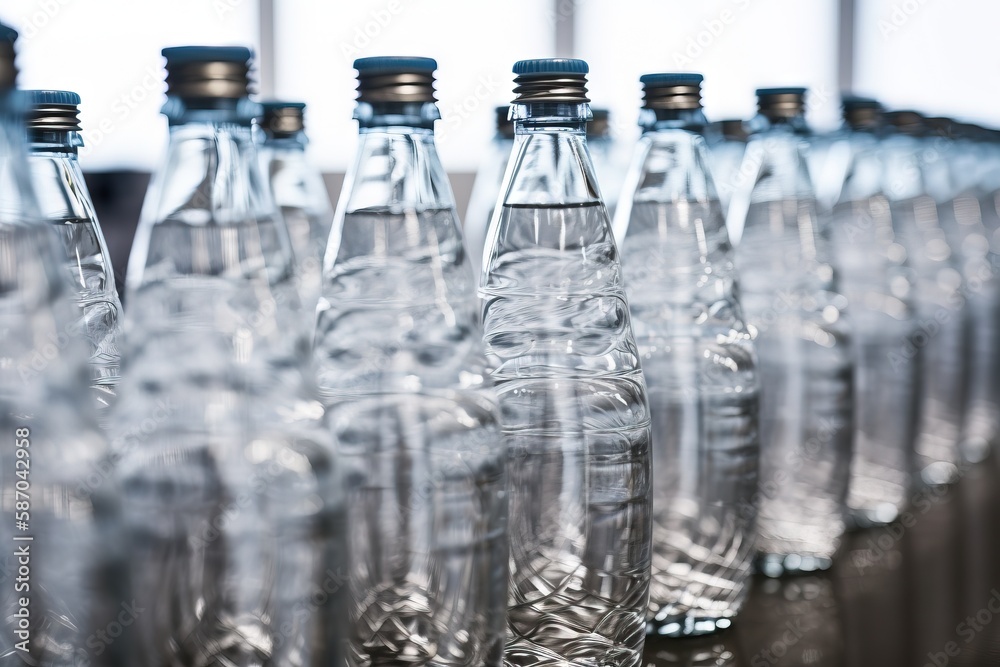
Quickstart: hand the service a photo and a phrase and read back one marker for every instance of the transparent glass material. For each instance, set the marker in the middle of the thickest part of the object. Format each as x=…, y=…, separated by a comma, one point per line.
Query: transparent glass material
x=725, y=157
x=959, y=191
x=611, y=161
x=880, y=287
x=483, y=199
x=231, y=493
x=61, y=581
x=400, y=358
x=791, y=297
x=939, y=342
x=700, y=367
x=573, y=404
x=300, y=195
x=66, y=204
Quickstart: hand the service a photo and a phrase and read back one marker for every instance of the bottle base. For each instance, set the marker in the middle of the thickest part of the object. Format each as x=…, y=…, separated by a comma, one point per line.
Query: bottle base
x=687, y=625
x=779, y=565
x=873, y=516
x=939, y=473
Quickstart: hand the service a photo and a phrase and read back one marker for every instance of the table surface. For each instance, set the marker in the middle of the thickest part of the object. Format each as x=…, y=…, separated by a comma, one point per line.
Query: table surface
x=924, y=591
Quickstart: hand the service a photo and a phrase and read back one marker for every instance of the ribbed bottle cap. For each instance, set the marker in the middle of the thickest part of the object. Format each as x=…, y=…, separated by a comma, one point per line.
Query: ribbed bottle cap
x=282, y=119
x=396, y=79
x=53, y=110
x=861, y=112
x=671, y=90
x=781, y=102
x=208, y=72
x=8, y=70
x=559, y=80
x=906, y=122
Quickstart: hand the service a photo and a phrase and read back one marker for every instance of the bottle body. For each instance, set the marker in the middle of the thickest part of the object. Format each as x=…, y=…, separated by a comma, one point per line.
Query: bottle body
x=57, y=500
x=399, y=354
x=942, y=331
x=301, y=198
x=700, y=368
x=573, y=406
x=232, y=495
x=66, y=205
x=790, y=296
x=879, y=286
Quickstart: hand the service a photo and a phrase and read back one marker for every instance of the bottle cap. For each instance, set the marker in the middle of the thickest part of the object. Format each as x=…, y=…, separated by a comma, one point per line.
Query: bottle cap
x=906, y=122
x=671, y=90
x=781, y=102
x=734, y=129
x=208, y=72
x=396, y=79
x=942, y=126
x=557, y=80
x=8, y=70
x=861, y=112
x=53, y=110
x=282, y=119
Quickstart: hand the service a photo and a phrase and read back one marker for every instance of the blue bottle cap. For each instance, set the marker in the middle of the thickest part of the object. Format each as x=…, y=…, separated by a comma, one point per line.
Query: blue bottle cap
x=7, y=33
x=282, y=119
x=551, y=66
x=8, y=70
x=52, y=97
x=671, y=79
x=179, y=55
x=768, y=92
x=394, y=64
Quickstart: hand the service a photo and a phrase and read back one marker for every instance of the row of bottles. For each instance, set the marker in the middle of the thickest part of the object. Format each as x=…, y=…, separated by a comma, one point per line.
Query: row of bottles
x=367, y=459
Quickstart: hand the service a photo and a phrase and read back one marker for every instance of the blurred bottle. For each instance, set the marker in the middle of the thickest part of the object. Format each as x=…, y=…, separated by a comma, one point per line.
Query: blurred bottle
x=955, y=166
x=699, y=363
x=790, y=295
x=727, y=141
x=489, y=178
x=228, y=476
x=400, y=358
x=879, y=286
x=53, y=138
x=610, y=156
x=940, y=340
x=60, y=580
x=299, y=193
x=572, y=397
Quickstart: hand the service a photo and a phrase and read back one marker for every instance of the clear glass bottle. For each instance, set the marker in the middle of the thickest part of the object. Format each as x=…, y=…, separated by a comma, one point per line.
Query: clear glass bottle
x=611, y=157
x=791, y=297
x=53, y=140
x=298, y=191
x=489, y=178
x=942, y=319
x=699, y=363
x=572, y=396
x=231, y=492
x=727, y=141
x=61, y=581
x=879, y=285
x=399, y=352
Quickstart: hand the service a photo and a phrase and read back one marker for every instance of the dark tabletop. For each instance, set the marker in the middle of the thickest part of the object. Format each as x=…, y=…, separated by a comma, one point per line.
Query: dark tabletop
x=924, y=591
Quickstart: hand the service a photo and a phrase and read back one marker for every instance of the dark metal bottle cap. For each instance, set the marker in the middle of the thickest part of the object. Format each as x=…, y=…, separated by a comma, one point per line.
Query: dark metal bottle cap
x=671, y=90
x=558, y=80
x=208, y=72
x=775, y=103
x=282, y=119
x=53, y=110
x=8, y=70
x=861, y=113
x=906, y=122
x=396, y=79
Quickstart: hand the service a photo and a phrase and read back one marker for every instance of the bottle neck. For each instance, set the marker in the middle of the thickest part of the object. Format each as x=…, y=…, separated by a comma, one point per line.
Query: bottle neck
x=227, y=111
x=407, y=117
x=57, y=145
x=287, y=142
x=18, y=202
x=795, y=124
x=551, y=164
x=652, y=120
